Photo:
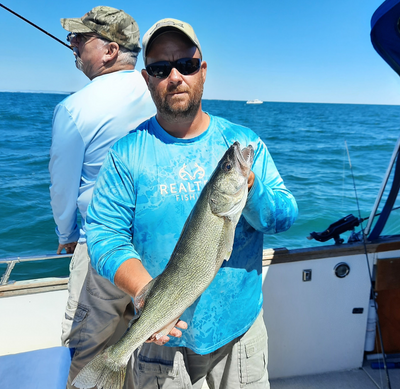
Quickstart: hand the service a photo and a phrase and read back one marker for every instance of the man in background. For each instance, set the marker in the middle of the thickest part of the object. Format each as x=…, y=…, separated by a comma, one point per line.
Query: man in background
x=106, y=42
x=142, y=199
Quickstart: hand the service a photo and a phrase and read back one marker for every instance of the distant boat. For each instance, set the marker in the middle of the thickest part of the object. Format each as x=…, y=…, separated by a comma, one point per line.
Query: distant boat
x=255, y=101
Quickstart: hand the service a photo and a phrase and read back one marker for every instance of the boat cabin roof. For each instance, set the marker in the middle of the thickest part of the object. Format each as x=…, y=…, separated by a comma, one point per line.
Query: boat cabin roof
x=385, y=34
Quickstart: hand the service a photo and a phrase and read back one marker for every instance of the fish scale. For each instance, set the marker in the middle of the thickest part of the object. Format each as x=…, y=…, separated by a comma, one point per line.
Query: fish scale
x=205, y=242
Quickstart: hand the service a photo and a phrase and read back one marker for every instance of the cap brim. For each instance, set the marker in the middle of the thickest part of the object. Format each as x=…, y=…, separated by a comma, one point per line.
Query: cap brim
x=74, y=25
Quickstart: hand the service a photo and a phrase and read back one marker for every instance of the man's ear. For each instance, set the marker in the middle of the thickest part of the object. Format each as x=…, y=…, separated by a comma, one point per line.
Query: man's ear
x=145, y=76
x=111, y=52
x=203, y=69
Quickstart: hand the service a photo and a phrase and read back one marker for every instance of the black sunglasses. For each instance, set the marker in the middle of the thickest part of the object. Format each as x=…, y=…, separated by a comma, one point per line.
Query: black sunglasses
x=184, y=66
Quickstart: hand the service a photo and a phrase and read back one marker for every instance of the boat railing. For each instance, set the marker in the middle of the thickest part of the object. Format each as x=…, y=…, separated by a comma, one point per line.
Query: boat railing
x=270, y=256
x=12, y=261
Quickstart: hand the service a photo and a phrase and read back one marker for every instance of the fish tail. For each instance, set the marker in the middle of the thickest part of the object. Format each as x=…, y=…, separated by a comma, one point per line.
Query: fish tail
x=101, y=372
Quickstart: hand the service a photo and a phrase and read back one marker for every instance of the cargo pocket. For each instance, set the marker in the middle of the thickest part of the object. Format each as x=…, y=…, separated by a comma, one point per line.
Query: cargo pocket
x=161, y=365
x=252, y=359
x=73, y=324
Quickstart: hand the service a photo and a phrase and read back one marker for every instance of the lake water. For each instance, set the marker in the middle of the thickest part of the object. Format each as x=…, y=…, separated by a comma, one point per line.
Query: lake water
x=307, y=143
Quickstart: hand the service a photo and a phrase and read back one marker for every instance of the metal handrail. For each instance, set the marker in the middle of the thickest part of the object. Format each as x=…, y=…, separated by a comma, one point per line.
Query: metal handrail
x=12, y=261
x=34, y=258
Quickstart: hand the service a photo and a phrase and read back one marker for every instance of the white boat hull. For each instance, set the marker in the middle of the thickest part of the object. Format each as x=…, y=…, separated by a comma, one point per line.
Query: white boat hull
x=311, y=325
x=31, y=320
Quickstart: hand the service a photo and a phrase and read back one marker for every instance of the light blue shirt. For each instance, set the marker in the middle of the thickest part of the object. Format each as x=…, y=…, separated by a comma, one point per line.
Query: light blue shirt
x=147, y=187
x=85, y=125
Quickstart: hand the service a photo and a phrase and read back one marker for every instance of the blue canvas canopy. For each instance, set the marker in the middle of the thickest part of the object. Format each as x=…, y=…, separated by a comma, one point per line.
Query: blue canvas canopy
x=385, y=37
x=385, y=34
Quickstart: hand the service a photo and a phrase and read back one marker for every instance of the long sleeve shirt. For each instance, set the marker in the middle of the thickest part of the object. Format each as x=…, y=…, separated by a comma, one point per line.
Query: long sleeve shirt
x=85, y=125
x=147, y=187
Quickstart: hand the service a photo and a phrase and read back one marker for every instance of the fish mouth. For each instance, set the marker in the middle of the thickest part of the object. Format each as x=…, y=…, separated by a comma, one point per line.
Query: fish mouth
x=245, y=157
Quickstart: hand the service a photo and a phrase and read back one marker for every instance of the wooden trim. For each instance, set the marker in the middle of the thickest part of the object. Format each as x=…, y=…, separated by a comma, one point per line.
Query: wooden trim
x=283, y=255
x=38, y=286
x=387, y=275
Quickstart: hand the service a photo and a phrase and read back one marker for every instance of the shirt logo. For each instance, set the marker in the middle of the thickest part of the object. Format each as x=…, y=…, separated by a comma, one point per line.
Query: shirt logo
x=188, y=187
x=198, y=174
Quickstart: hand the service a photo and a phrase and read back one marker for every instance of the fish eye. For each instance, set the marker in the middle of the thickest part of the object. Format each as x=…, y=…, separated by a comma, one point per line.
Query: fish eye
x=227, y=166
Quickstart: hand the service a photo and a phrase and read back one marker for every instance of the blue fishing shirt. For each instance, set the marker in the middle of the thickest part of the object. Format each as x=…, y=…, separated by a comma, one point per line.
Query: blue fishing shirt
x=146, y=189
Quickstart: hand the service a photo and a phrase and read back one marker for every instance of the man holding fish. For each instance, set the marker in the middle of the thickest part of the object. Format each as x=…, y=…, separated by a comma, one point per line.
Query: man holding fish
x=177, y=221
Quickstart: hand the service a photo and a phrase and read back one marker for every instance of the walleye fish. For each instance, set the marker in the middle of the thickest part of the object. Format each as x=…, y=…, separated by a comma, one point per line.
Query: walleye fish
x=205, y=242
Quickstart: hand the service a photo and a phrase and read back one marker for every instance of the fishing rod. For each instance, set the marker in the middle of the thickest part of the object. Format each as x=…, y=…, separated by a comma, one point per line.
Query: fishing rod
x=373, y=295
x=34, y=25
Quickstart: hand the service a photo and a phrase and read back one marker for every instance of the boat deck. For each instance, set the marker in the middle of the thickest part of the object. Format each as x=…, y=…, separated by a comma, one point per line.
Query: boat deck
x=363, y=378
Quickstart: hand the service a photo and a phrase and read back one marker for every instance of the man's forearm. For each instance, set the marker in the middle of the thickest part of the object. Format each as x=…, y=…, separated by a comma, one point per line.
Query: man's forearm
x=131, y=277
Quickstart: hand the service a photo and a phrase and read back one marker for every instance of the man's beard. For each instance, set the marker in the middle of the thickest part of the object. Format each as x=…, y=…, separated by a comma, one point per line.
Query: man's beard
x=171, y=113
x=78, y=60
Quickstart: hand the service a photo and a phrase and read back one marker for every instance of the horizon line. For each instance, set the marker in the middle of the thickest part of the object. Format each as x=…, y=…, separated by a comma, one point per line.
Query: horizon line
x=264, y=101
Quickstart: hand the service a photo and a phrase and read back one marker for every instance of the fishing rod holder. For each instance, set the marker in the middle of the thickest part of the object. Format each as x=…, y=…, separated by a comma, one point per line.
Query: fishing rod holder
x=347, y=223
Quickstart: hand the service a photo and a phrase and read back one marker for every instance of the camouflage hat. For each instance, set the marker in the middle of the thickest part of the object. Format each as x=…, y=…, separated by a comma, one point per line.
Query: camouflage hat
x=110, y=23
x=168, y=25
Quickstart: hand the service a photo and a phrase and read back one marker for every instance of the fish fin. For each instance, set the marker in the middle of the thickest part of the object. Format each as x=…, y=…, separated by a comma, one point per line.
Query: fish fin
x=101, y=372
x=141, y=297
x=165, y=330
x=227, y=241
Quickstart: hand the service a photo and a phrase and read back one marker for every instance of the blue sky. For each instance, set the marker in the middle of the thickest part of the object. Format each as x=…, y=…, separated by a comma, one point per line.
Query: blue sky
x=273, y=50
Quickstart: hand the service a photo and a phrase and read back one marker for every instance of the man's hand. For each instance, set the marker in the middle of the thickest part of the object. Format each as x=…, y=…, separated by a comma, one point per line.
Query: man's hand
x=69, y=247
x=132, y=277
x=174, y=332
x=250, y=181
